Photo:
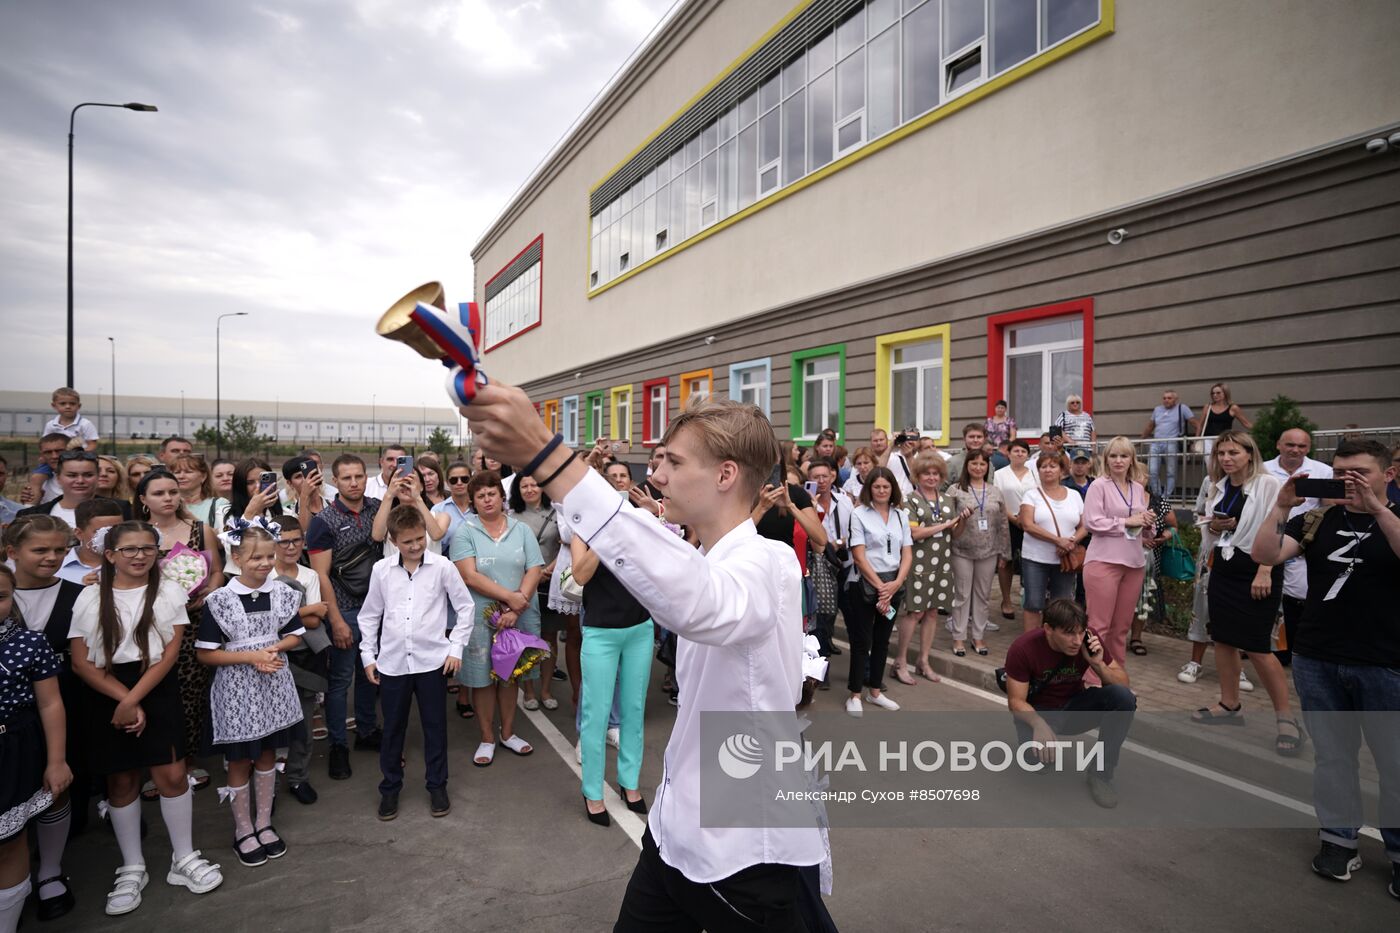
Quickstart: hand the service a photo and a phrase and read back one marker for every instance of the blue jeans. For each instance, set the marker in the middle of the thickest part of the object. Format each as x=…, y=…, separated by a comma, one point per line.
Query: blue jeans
x=1327, y=692
x=1038, y=578
x=345, y=667
x=1157, y=451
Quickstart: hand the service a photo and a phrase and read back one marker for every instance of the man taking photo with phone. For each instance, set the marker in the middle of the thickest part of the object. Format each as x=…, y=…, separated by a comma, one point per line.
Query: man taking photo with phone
x=377, y=486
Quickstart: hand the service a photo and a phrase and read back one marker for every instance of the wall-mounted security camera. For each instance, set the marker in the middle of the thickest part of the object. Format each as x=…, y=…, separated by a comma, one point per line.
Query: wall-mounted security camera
x=1377, y=145
x=1395, y=139
x=578, y=375
x=1117, y=236
x=710, y=339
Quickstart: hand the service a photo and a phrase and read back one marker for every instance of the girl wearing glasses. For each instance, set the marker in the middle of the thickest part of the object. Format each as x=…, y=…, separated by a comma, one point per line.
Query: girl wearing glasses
x=124, y=644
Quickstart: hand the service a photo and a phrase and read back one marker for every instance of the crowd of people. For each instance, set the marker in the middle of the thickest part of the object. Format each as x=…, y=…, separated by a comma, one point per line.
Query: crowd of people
x=162, y=611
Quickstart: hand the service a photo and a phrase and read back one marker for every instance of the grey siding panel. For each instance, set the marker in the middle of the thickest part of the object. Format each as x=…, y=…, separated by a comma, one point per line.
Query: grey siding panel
x=1283, y=281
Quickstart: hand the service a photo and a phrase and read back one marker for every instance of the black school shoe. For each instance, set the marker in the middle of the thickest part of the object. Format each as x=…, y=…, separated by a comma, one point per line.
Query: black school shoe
x=254, y=858
x=1394, y=887
x=369, y=742
x=54, y=907
x=339, y=763
x=438, y=802
x=388, y=805
x=303, y=792
x=1336, y=862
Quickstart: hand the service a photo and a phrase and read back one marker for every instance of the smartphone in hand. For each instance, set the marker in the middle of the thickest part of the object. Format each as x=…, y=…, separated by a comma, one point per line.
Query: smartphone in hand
x=267, y=480
x=403, y=466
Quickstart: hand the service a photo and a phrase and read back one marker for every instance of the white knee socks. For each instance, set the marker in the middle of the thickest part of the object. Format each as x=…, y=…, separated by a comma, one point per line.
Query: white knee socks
x=266, y=784
x=178, y=813
x=52, y=830
x=126, y=824
x=241, y=806
x=12, y=905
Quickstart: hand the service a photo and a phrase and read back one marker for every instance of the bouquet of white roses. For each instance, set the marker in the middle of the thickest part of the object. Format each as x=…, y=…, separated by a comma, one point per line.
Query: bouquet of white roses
x=185, y=567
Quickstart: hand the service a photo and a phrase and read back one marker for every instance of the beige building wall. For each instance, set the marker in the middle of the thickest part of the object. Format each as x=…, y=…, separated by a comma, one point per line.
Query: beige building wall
x=1180, y=93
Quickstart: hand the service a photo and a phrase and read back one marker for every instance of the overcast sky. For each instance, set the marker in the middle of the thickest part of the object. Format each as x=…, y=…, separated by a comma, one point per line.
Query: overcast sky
x=311, y=161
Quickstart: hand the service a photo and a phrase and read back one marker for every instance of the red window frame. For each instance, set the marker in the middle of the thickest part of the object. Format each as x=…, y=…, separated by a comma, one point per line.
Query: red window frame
x=650, y=436
x=524, y=330
x=996, y=345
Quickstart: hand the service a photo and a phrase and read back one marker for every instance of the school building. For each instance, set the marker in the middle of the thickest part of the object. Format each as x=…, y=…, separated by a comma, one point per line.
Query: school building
x=894, y=212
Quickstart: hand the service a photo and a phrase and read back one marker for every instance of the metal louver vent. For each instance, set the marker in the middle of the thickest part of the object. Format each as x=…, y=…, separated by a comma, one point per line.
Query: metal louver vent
x=512, y=272
x=762, y=64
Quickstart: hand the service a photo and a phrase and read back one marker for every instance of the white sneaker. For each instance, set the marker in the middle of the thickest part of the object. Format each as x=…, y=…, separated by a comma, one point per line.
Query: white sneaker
x=615, y=737
x=578, y=753
x=854, y=708
x=195, y=872
x=1189, y=672
x=1245, y=685
x=882, y=701
x=992, y=627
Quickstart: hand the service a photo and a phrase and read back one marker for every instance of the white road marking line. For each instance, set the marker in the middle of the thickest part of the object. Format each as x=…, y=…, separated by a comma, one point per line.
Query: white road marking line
x=1180, y=764
x=630, y=823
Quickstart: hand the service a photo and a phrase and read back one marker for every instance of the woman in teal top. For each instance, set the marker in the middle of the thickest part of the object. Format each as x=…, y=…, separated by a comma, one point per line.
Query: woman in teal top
x=501, y=564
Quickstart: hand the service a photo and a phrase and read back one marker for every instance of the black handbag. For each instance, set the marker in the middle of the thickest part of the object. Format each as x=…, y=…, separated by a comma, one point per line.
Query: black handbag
x=869, y=593
x=352, y=572
x=837, y=557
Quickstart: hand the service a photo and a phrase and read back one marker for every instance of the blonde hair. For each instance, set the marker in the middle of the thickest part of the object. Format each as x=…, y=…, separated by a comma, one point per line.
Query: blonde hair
x=119, y=491
x=1224, y=390
x=1119, y=443
x=929, y=460
x=1245, y=440
x=730, y=430
x=66, y=392
x=1073, y=398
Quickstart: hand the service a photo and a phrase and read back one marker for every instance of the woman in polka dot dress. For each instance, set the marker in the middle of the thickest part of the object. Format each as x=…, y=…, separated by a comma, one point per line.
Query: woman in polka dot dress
x=930, y=585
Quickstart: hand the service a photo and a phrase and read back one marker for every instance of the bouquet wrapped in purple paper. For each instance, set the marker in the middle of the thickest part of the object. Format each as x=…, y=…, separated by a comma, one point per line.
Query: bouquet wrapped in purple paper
x=513, y=652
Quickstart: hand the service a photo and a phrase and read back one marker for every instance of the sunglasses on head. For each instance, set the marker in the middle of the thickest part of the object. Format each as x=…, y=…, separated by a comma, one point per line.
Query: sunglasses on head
x=78, y=455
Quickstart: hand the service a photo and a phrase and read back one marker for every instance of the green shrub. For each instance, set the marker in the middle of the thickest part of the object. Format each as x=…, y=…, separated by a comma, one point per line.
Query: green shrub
x=1282, y=414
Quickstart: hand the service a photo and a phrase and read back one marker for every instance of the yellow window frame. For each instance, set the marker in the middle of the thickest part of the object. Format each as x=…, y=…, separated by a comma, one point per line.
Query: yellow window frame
x=885, y=346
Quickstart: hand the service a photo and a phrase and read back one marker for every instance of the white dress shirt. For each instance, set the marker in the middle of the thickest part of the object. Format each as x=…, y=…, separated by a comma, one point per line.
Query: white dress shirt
x=1013, y=490
x=74, y=569
x=413, y=610
x=375, y=488
x=903, y=475
x=1295, y=571
x=738, y=612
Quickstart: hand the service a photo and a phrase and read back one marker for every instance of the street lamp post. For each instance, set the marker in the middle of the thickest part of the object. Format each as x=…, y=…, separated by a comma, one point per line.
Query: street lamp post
x=145, y=108
x=374, y=417
x=218, y=382
x=113, y=342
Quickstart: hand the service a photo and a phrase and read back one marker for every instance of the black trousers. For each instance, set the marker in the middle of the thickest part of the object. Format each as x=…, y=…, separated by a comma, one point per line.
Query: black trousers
x=396, y=695
x=1075, y=718
x=660, y=899
x=869, y=631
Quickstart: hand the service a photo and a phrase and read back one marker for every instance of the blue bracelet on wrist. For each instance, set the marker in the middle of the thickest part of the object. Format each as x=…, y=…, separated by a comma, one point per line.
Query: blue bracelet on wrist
x=549, y=448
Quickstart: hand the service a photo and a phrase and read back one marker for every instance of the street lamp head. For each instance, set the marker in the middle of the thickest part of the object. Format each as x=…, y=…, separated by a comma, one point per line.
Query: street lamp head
x=145, y=108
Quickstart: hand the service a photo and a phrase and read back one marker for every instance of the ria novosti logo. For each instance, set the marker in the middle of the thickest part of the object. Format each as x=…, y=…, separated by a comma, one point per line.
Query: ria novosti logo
x=740, y=756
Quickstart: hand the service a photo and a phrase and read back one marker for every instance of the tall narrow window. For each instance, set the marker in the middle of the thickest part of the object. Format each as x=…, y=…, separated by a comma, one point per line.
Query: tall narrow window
x=749, y=383
x=818, y=390
x=657, y=399
x=569, y=419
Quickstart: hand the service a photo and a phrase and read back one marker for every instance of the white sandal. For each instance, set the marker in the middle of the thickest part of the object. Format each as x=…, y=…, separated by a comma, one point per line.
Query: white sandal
x=531, y=704
x=550, y=703
x=518, y=745
x=125, y=895
x=485, y=750
x=196, y=873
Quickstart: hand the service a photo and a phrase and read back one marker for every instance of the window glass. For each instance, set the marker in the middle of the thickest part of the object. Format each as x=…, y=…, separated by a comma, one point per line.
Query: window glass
x=663, y=172
x=692, y=151
x=963, y=23
x=1066, y=17
x=882, y=105
x=965, y=72
x=748, y=166
x=794, y=137
x=850, y=34
x=904, y=397
x=676, y=233
x=624, y=242
x=709, y=178
x=663, y=209
x=1066, y=375
x=768, y=180
x=848, y=135
x=820, y=54
x=643, y=241
x=748, y=110
x=879, y=14
x=726, y=125
x=821, y=124
x=931, y=414
x=924, y=351
x=692, y=201
x=1024, y=381
x=850, y=86
x=823, y=366
x=794, y=75
x=1051, y=331
x=728, y=178
x=768, y=95
x=770, y=135
x=709, y=138
x=922, y=66
x=1013, y=32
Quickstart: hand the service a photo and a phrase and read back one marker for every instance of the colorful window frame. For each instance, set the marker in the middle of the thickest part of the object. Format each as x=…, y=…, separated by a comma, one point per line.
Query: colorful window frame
x=687, y=389
x=591, y=428
x=651, y=430
x=568, y=419
x=514, y=272
x=997, y=326
x=621, y=425
x=766, y=365
x=549, y=411
x=885, y=346
x=799, y=359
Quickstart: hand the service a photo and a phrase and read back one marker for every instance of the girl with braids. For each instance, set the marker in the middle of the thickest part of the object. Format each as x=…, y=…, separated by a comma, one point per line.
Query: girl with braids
x=37, y=545
x=124, y=646
x=158, y=501
x=246, y=630
x=31, y=747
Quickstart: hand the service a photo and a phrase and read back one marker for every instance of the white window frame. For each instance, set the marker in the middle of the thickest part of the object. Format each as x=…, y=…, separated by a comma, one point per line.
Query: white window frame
x=1049, y=407
x=568, y=419
x=831, y=392
x=946, y=93
x=925, y=369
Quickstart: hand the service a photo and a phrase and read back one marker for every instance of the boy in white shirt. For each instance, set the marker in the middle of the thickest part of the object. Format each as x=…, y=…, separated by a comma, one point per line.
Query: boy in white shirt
x=67, y=421
x=407, y=652
x=736, y=605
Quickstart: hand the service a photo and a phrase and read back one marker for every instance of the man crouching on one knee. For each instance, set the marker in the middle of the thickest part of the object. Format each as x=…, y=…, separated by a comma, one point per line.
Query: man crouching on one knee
x=1048, y=697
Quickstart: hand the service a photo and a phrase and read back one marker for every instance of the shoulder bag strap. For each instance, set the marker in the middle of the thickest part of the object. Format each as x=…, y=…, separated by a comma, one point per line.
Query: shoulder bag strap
x=1053, y=519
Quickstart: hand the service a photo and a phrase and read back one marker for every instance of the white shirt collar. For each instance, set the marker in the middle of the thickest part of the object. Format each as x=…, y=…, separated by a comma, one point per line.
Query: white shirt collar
x=242, y=589
x=732, y=539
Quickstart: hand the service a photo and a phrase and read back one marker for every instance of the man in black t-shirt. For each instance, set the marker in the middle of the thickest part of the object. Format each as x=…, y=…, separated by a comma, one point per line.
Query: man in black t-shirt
x=1346, y=662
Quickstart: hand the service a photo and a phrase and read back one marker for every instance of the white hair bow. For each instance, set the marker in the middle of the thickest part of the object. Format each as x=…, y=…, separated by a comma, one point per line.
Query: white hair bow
x=232, y=535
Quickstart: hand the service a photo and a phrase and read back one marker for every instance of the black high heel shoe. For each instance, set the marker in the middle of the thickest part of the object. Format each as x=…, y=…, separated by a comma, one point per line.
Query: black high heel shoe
x=599, y=819
x=636, y=806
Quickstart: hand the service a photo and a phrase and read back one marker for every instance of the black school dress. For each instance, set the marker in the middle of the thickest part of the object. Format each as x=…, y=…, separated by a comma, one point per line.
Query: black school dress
x=1238, y=619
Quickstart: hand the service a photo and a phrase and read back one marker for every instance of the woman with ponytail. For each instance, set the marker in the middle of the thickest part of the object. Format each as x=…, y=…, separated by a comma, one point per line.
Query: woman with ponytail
x=124, y=643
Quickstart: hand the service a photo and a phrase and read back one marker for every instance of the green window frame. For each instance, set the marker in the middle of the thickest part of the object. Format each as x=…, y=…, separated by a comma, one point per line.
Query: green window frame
x=797, y=394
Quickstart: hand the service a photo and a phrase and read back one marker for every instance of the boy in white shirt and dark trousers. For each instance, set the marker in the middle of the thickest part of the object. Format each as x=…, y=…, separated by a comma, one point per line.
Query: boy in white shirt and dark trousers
x=407, y=652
